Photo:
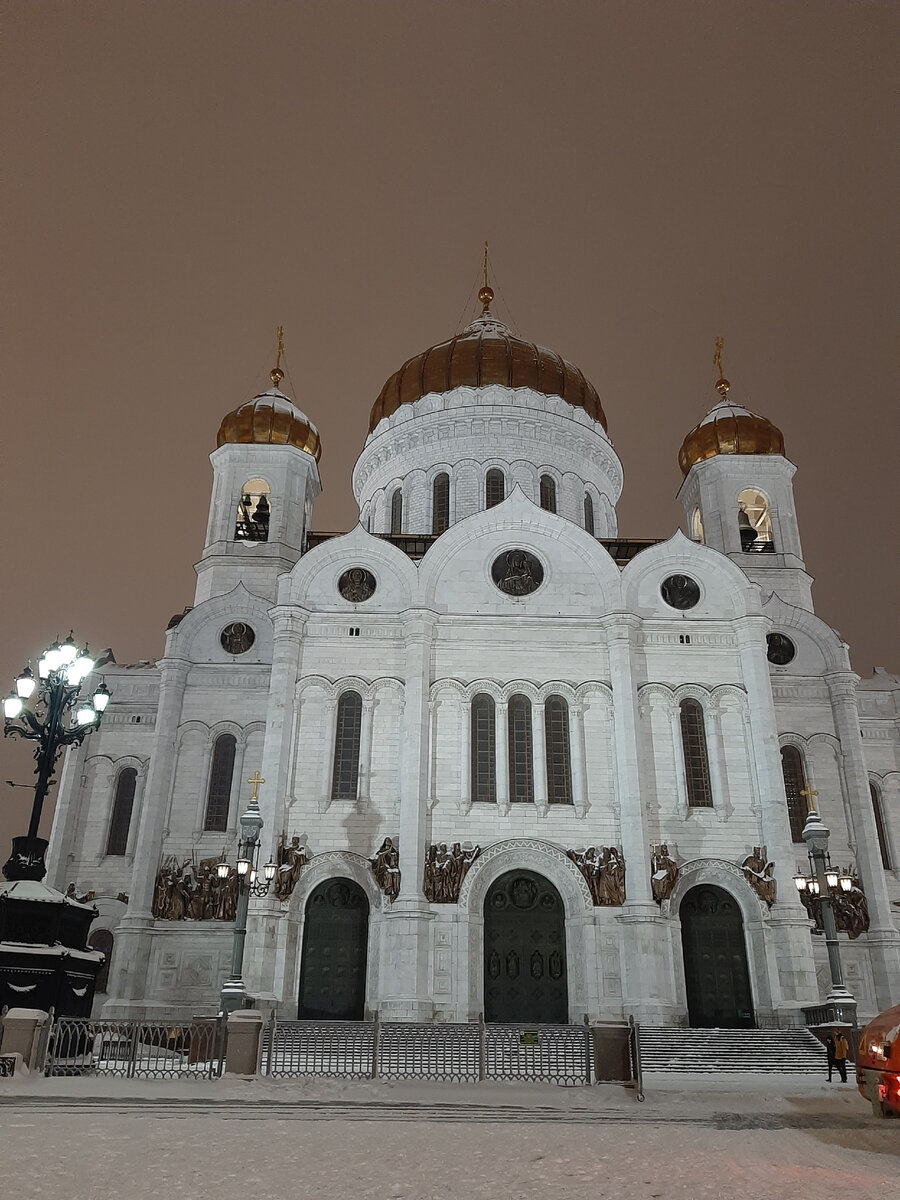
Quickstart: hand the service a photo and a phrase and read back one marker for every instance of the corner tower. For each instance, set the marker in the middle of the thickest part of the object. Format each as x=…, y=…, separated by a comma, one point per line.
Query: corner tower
x=265, y=480
x=738, y=495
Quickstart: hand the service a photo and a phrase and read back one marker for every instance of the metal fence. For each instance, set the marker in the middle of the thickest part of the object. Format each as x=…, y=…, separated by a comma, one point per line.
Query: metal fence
x=136, y=1049
x=460, y=1052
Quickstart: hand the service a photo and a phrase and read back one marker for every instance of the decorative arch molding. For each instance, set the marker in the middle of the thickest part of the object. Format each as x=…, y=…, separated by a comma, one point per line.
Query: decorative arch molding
x=347, y=683
x=593, y=689
x=720, y=873
x=726, y=697
x=333, y=555
x=238, y=603
x=679, y=553
x=537, y=693
x=788, y=616
x=334, y=864
x=140, y=765
x=526, y=854
x=693, y=691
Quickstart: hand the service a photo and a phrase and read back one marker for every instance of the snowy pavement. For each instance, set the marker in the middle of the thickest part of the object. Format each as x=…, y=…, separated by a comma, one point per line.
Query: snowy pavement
x=695, y=1136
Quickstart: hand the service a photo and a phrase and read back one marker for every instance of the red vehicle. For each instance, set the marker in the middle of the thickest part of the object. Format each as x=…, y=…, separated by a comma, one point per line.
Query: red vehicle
x=878, y=1063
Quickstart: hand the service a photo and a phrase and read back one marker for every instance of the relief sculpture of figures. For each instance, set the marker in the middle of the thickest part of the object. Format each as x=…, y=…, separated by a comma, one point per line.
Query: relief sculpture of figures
x=760, y=874
x=603, y=868
x=445, y=870
x=386, y=869
x=290, y=861
x=188, y=891
x=663, y=872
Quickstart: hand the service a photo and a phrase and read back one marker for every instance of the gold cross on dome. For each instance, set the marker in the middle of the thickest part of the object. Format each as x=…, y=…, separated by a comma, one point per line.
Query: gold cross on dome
x=255, y=779
x=809, y=793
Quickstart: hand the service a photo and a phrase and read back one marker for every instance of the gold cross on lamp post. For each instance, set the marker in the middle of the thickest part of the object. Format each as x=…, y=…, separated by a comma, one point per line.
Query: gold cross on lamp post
x=806, y=791
x=256, y=779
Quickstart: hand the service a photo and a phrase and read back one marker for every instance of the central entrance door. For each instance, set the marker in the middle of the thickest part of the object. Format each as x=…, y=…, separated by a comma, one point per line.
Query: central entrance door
x=715, y=960
x=525, y=951
x=333, y=961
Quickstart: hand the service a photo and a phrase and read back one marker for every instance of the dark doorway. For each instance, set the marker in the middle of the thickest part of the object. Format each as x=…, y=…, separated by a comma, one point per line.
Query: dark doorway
x=102, y=939
x=333, y=962
x=525, y=951
x=715, y=960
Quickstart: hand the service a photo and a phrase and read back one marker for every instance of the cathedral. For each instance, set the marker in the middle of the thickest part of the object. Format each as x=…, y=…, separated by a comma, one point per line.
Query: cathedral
x=508, y=761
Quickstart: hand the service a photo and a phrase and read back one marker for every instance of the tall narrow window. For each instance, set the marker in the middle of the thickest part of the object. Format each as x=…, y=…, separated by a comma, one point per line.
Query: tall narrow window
x=254, y=512
x=521, y=756
x=589, y=513
x=754, y=522
x=440, y=503
x=559, y=757
x=484, y=746
x=696, y=761
x=345, y=777
x=879, y=825
x=397, y=513
x=548, y=493
x=494, y=487
x=219, y=795
x=117, y=840
x=697, y=526
x=794, y=784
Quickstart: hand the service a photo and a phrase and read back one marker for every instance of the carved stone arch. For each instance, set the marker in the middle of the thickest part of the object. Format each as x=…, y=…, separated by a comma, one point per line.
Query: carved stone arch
x=239, y=603
x=594, y=689
x=331, y=865
x=525, y=854
x=650, y=692
x=720, y=873
x=384, y=685
x=452, y=686
x=132, y=760
x=556, y=687
x=199, y=728
x=348, y=683
x=826, y=739
x=788, y=616
x=519, y=687
x=693, y=691
x=310, y=683
x=793, y=739
x=728, y=697
x=232, y=727
x=248, y=731
x=487, y=686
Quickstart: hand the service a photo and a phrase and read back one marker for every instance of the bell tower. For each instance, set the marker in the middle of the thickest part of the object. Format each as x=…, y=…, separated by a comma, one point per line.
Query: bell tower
x=265, y=480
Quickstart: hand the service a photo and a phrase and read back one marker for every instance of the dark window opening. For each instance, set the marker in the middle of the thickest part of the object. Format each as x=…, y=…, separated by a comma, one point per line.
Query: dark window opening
x=117, y=841
x=794, y=785
x=483, y=750
x=440, y=503
x=345, y=777
x=521, y=756
x=696, y=760
x=548, y=493
x=559, y=757
x=218, y=798
x=494, y=488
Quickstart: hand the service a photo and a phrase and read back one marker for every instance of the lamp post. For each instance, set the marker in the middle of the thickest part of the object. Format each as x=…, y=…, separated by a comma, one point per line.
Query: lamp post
x=823, y=880
x=234, y=990
x=53, y=695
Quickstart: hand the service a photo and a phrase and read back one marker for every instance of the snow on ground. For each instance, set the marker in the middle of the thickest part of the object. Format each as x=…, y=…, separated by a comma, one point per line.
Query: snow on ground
x=94, y=1138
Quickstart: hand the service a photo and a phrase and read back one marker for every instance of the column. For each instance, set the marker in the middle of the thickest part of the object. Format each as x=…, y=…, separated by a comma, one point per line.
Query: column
x=329, y=727
x=431, y=799
x=363, y=791
x=539, y=750
x=276, y=760
x=579, y=779
x=65, y=818
x=465, y=755
x=883, y=939
x=501, y=755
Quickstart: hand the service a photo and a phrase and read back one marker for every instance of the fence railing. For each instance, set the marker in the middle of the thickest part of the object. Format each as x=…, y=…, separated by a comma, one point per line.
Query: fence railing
x=136, y=1049
x=461, y=1052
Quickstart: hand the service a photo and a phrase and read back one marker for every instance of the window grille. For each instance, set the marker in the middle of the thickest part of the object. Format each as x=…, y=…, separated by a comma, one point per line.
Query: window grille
x=346, y=747
x=396, y=513
x=521, y=756
x=879, y=826
x=548, y=493
x=484, y=748
x=218, y=798
x=794, y=784
x=696, y=761
x=494, y=488
x=559, y=756
x=589, y=514
x=440, y=503
x=117, y=841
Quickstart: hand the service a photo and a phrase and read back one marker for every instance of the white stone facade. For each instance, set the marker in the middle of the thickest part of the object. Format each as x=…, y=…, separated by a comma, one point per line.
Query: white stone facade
x=437, y=632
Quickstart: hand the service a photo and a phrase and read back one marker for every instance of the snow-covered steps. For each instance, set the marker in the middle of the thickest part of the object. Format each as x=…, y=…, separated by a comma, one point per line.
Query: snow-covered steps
x=764, y=1051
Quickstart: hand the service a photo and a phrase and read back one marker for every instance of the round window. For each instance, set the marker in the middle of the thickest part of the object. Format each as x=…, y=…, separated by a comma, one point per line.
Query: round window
x=780, y=650
x=680, y=591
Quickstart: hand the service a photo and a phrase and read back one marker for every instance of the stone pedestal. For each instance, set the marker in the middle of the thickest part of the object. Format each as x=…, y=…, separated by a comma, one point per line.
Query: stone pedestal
x=21, y=1034
x=242, y=1048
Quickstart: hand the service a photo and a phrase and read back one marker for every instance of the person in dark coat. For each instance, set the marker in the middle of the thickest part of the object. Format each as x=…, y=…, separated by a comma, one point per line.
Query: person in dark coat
x=837, y=1050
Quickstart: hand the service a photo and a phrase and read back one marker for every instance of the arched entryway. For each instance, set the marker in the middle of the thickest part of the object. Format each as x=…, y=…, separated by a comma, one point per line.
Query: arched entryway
x=333, y=962
x=525, y=950
x=715, y=960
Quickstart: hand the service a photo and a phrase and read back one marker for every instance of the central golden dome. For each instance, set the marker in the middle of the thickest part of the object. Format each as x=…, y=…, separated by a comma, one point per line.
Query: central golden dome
x=486, y=353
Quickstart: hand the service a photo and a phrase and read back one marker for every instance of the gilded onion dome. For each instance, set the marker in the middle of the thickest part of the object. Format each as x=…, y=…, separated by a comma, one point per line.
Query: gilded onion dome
x=485, y=353
x=270, y=419
x=729, y=429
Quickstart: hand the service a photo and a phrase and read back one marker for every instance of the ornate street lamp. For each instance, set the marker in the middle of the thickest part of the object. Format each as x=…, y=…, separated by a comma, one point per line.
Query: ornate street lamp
x=37, y=710
x=234, y=990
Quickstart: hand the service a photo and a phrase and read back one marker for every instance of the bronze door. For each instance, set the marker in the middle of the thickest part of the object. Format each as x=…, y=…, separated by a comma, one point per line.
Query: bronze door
x=525, y=951
x=333, y=963
x=715, y=960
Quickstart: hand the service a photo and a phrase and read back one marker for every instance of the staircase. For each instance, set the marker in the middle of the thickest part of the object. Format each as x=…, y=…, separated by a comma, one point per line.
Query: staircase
x=763, y=1051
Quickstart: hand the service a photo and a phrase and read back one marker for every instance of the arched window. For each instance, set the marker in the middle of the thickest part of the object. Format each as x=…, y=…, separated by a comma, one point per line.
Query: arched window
x=120, y=823
x=794, y=785
x=754, y=522
x=494, y=487
x=521, y=756
x=697, y=526
x=696, y=761
x=548, y=493
x=345, y=777
x=218, y=798
x=254, y=512
x=589, y=513
x=397, y=513
x=102, y=940
x=483, y=753
x=440, y=503
x=879, y=825
x=559, y=757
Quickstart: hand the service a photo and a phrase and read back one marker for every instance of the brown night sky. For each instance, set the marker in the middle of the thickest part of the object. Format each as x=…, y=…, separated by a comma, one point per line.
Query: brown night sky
x=179, y=178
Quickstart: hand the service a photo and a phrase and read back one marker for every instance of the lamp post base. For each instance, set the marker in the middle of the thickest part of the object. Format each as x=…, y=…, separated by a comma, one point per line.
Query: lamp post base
x=234, y=995
x=27, y=859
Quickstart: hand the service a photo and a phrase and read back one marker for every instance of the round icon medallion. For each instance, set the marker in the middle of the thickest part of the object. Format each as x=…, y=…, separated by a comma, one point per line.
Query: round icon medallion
x=780, y=650
x=237, y=638
x=680, y=591
x=357, y=584
x=517, y=572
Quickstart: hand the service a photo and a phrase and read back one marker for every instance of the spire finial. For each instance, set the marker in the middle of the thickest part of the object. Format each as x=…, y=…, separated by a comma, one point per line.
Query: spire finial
x=722, y=384
x=486, y=293
x=276, y=374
